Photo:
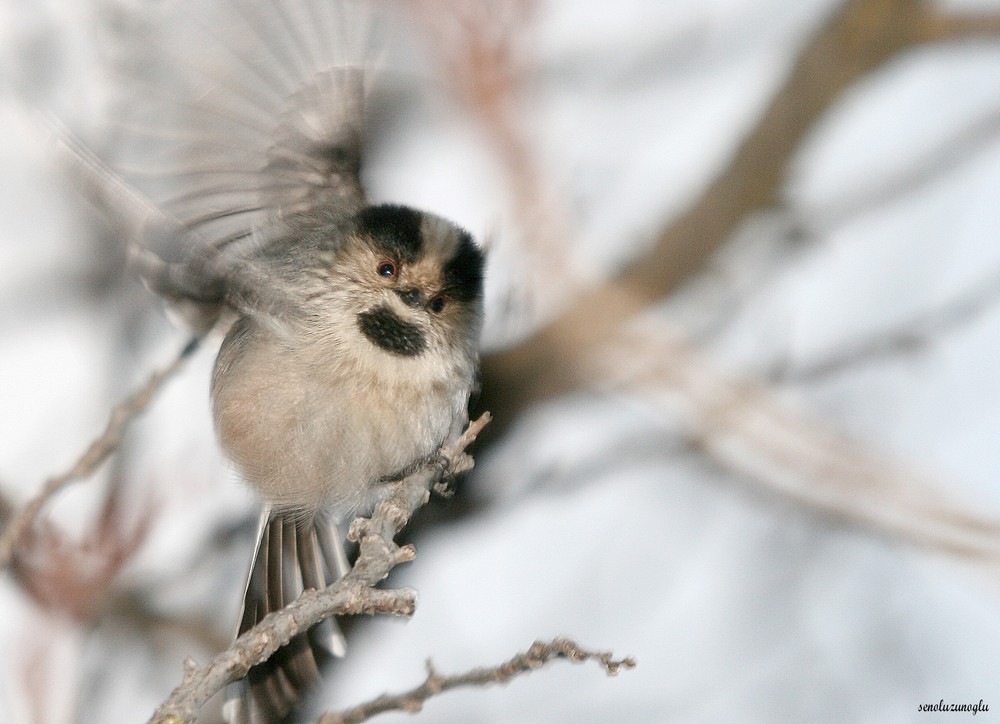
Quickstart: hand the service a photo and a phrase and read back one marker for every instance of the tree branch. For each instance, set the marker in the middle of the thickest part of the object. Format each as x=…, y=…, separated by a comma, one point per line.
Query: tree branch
x=535, y=657
x=602, y=342
x=858, y=38
x=937, y=27
x=355, y=593
x=99, y=451
x=749, y=430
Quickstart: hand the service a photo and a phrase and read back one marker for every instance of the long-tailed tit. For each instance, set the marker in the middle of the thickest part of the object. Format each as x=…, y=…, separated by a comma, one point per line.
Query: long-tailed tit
x=354, y=343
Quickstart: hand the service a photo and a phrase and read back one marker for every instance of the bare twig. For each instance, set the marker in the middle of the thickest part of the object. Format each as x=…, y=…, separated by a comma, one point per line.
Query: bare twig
x=355, y=593
x=99, y=451
x=909, y=337
x=535, y=657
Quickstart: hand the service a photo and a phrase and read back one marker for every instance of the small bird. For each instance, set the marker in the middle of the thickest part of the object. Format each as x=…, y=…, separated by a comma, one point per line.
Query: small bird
x=354, y=373
x=352, y=348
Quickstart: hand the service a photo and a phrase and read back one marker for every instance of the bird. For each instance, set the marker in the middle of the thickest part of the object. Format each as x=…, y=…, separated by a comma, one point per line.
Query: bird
x=351, y=328
x=354, y=374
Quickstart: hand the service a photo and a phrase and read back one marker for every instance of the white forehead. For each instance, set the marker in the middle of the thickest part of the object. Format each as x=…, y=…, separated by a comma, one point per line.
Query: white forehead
x=440, y=236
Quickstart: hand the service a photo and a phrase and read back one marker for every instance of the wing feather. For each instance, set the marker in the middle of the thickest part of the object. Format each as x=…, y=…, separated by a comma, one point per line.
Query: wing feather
x=237, y=114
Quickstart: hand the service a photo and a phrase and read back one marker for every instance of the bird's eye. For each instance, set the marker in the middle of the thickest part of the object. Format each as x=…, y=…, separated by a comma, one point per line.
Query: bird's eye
x=387, y=269
x=437, y=304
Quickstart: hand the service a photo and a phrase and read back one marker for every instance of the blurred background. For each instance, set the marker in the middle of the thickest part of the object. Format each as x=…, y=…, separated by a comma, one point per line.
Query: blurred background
x=741, y=352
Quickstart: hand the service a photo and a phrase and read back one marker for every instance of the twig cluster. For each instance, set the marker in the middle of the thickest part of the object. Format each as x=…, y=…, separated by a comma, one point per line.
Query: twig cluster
x=99, y=451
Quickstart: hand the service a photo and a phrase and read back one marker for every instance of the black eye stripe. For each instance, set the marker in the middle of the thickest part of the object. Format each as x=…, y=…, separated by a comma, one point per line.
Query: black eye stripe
x=463, y=273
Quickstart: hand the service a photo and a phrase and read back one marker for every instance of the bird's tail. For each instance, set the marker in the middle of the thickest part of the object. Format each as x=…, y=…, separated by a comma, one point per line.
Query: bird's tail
x=294, y=553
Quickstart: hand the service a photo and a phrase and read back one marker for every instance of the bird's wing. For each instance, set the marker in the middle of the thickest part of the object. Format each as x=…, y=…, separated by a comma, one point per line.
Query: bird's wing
x=228, y=117
x=237, y=113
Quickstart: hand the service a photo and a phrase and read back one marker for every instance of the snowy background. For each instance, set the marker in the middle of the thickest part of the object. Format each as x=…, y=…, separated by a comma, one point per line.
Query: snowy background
x=864, y=301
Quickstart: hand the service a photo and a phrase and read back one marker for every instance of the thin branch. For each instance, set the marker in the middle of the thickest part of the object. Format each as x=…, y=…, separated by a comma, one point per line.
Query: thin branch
x=912, y=336
x=99, y=451
x=355, y=593
x=929, y=165
x=749, y=430
x=540, y=654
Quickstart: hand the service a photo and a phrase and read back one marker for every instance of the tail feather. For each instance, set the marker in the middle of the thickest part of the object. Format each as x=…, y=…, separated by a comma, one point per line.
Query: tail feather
x=325, y=635
x=294, y=553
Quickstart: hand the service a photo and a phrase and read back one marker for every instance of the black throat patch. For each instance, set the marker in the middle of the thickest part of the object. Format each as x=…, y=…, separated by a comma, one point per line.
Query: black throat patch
x=387, y=331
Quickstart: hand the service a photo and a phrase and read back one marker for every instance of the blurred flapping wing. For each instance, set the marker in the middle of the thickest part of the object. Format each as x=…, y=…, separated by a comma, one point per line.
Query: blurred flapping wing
x=238, y=114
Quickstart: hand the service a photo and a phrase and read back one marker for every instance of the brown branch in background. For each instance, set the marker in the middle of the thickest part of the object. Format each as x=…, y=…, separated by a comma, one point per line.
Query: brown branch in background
x=6, y=508
x=99, y=451
x=484, y=52
x=36, y=678
x=538, y=655
x=935, y=26
x=74, y=578
x=355, y=593
x=745, y=427
x=965, y=308
x=483, y=56
x=736, y=421
x=856, y=40
x=140, y=611
x=40, y=655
